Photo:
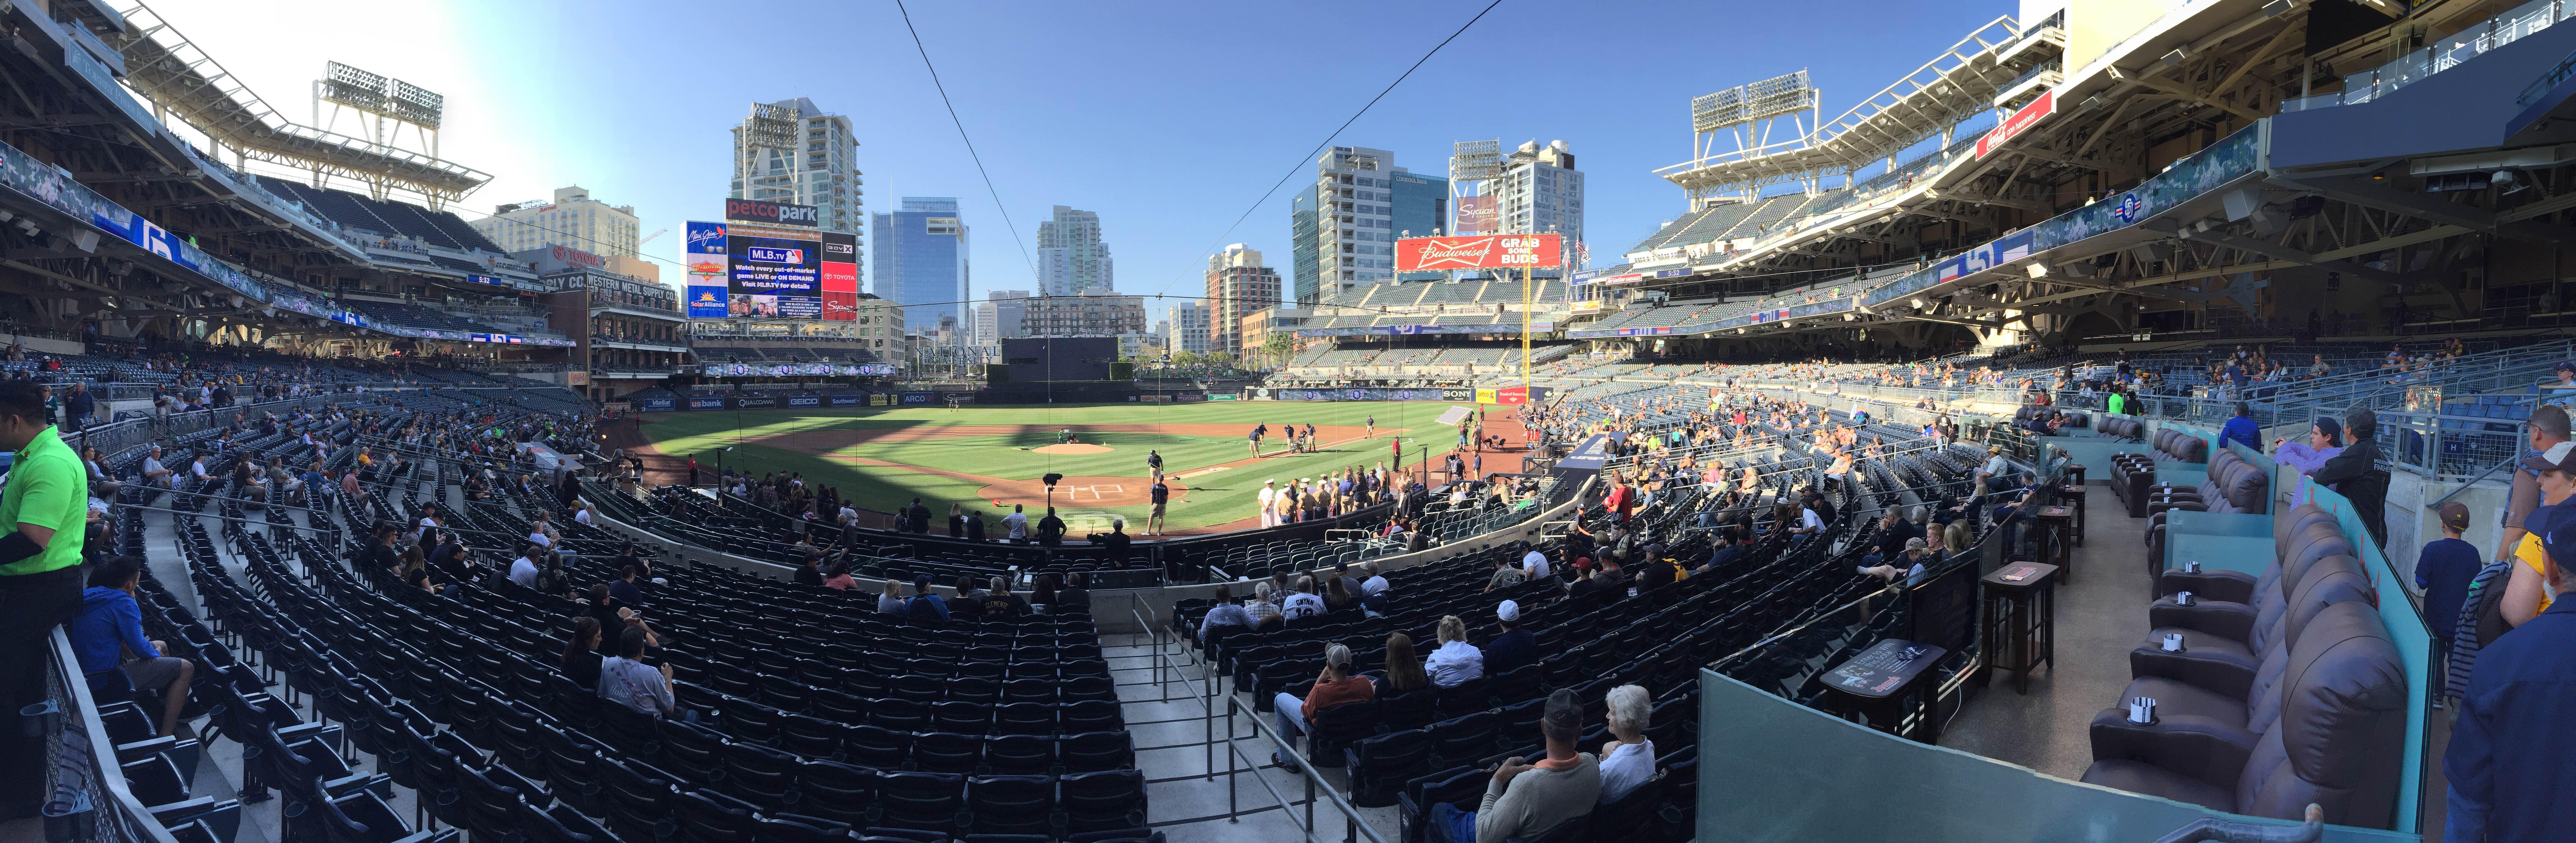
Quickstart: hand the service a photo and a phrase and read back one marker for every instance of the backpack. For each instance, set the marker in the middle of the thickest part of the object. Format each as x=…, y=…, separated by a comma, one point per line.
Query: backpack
x=2481, y=620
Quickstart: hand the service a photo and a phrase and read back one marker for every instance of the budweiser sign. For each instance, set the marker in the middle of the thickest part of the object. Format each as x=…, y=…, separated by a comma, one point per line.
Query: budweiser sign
x=1491, y=251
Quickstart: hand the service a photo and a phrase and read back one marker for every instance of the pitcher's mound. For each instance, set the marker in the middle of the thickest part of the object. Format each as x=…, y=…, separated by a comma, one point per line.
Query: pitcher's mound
x=1072, y=448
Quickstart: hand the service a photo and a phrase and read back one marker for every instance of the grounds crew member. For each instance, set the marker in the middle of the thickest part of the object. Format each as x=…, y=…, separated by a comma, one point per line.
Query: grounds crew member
x=44, y=508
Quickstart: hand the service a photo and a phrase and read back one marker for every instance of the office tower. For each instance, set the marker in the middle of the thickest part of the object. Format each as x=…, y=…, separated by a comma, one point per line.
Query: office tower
x=1344, y=223
x=573, y=219
x=1541, y=193
x=1001, y=316
x=1071, y=258
x=1421, y=204
x=1237, y=285
x=1189, y=328
x=790, y=151
x=921, y=259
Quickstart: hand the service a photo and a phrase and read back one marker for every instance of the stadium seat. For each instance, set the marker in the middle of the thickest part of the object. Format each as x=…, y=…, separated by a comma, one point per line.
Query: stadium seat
x=1380, y=765
x=1012, y=805
x=1102, y=801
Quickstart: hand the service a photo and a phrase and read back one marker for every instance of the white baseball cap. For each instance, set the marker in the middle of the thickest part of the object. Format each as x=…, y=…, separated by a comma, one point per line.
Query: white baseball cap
x=1509, y=612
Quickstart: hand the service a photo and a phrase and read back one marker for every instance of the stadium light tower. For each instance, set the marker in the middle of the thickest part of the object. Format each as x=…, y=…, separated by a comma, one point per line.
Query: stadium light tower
x=392, y=102
x=1749, y=114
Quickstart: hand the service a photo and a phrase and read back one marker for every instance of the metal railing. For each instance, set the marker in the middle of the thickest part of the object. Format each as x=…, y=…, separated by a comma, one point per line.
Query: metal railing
x=2458, y=47
x=1353, y=826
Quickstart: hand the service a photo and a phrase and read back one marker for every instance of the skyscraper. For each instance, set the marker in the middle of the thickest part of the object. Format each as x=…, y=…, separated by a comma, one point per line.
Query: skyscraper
x=1071, y=258
x=1001, y=316
x=1344, y=224
x=1541, y=193
x=1237, y=285
x=921, y=259
x=790, y=151
x=1189, y=328
x=1421, y=204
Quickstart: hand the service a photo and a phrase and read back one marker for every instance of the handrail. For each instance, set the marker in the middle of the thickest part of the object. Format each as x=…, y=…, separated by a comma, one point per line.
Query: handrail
x=2464, y=485
x=1353, y=824
x=2232, y=831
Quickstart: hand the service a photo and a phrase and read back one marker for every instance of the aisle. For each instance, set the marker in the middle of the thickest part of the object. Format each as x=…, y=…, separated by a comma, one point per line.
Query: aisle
x=1168, y=722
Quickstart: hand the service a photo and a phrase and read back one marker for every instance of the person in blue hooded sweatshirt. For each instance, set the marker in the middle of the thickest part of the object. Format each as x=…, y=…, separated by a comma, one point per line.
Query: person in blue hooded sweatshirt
x=110, y=626
x=2243, y=429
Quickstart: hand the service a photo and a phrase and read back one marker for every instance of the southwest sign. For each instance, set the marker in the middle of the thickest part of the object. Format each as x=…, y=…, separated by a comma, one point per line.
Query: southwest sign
x=1491, y=251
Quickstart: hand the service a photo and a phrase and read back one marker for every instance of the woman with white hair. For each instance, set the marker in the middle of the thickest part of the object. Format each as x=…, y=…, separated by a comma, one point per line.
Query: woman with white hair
x=1456, y=660
x=1628, y=759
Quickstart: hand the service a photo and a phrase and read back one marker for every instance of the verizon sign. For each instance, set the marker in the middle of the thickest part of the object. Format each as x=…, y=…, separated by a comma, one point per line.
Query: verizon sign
x=2019, y=122
x=1492, y=251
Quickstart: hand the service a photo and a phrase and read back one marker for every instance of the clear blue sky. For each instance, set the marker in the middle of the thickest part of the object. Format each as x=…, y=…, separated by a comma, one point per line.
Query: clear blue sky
x=1167, y=119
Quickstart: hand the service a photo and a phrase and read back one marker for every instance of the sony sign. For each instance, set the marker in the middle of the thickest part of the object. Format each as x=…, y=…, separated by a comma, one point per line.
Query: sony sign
x=775, y=213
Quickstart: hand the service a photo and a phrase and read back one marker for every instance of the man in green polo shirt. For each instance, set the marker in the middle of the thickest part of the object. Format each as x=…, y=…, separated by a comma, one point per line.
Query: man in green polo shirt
x=44, y=511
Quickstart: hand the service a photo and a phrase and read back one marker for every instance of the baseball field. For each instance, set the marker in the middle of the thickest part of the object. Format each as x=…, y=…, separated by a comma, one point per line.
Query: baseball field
x=883, y=457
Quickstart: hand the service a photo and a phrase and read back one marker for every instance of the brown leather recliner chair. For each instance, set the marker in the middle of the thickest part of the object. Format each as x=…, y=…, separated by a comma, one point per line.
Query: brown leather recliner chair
x=2339, y=740
x=2214, y=660
x=2238, y=586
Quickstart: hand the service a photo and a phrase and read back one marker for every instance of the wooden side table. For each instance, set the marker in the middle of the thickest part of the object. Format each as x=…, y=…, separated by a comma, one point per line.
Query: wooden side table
x=2075, y=492
x=2020, y=625
x=1880, y=684
x=2056, y=524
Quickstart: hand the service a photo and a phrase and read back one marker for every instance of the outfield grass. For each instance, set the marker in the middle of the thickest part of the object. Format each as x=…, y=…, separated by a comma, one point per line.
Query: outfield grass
x=1216, y=498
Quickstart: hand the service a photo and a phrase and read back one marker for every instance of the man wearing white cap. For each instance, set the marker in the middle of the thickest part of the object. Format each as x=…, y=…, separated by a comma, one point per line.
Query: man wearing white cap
x=1269, y=494
x=1516, y=647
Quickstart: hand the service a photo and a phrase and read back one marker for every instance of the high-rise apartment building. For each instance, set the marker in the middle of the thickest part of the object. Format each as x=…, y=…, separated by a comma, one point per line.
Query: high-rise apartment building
x=1344, y=223
x=1093, y=314
x=790, y=151
x=1072, y=260
x=1237, y=285
x=573, y=219
x=921, y=259
x=1189, y=328
x=1541, y=192
x=1001, y=316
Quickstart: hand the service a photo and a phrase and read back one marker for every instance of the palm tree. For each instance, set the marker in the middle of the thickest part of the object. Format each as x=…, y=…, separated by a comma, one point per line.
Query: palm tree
x=1278, y=347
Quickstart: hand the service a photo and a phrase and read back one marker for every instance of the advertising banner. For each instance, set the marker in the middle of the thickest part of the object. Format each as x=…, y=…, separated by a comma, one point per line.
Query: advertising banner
x=776, y=273
x=959, y=397
x=706, y=261
x=847, y=400
x=916, y=398
x=881, y=400
x=1512, y=395
x=1492, y=251
x=656, y=405
x=804, y=400
x=1345, y=394
x=2020, y=121
x=1475, y=214
x=840, y=298
x=1457, y=393
x=877, y=369
x=706, y=403
x=1221, y=396
x=1486, y=396
x=755, y=402
x=772, y=213
x=1587, y=306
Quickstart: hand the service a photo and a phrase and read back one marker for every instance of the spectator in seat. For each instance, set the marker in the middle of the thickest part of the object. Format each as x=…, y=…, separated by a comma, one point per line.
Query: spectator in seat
x=999, y=602
x=2241, y=428
x=2507, y=760
x=1264, y=608
x=613, y=615
x=581, y=657
x=925, y=608
x=523, y=570
x=623, y=588
x=1403, y=668
x=1374, y=584
x=1456, y=660
x=971, y=591
x=625, y=679
x=1302, y=601
x=890, y=602
x=1909, y=565
x=1334, y=686
x=1893, y=532
x=1075, y=597
x=1223, y=612
x=837, y=579
x=1722, y=554
x=110, y=627
x=1628, y=759
x=155, y=474
x=1525, y=800
x=2325, y=440
x=1516, y=647
x=811, y=571
x=1506, y=574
